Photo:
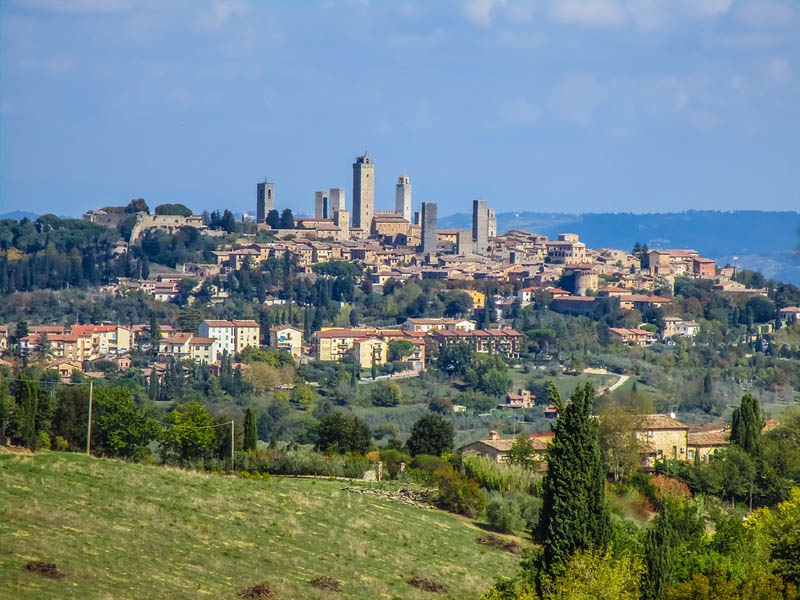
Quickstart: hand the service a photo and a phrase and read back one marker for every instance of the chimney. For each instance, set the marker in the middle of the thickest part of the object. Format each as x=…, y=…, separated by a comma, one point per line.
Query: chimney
x=493, y=435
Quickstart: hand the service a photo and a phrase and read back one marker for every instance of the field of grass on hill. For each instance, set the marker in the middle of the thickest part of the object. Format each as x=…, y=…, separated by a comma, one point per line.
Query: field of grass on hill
x=121, y=530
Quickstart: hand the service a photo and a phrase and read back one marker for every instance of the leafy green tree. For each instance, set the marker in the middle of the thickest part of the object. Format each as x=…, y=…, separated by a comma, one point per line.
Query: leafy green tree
x=287, y=219
x=457, y=303
x=456, y=358
x=137, y=205
x=488, y=374
x=619, y=443
x=120, y=428
x=574, y=513
x=173, y=209
x=746, y=424
x=250, y=441
x=343, y=432
x=431, y=434
x=191, y=435
x=274, y=219
x=71, y=414
x=386, y=393
x=304, y=395
x=596, y=575
x=522, y=452
x=400, y=349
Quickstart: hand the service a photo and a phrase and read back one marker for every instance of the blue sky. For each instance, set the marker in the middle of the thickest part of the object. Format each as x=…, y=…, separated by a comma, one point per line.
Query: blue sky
x=559, y=105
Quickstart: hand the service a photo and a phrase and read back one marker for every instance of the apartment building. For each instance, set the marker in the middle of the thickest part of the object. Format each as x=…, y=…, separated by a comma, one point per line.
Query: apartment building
x=287, y=338
x=506, y=342
x=232, y=336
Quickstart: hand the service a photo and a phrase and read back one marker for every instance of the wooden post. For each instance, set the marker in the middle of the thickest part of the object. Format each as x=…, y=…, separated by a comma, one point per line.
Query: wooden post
x=232, y=442
x=89, y=422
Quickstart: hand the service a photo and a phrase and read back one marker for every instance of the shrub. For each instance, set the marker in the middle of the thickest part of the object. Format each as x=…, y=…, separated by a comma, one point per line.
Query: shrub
x=43, y=441
x=502, y=477
x=503, y=513
x=392, y=460
x=512, y=512
x=301, y=462
x=62, y=444
x=457, y=493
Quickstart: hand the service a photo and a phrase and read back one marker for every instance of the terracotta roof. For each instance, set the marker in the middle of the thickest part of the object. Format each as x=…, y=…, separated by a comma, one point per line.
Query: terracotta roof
x=246, y=323
x=657, y=421
x=178, y=338
x=345, y=333
x=213, y=323
x=707, y=438
x=203, y=341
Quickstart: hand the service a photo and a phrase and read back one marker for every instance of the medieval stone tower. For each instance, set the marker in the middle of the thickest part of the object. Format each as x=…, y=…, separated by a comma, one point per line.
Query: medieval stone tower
x=363, y=193
x=402, y=197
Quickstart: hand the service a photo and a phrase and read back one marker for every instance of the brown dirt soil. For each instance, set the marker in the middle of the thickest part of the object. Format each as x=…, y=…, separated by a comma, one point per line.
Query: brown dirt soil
x=428, y=585
x=324, y=582
x=15, y=450
x=259, y=591
x=44, y=569
x=498, y=542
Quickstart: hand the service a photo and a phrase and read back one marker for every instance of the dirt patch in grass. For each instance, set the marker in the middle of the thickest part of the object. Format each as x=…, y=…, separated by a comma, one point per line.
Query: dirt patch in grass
x=323, y=582
x=44, y=569
x=260, y=591
x=428, y=585
x=498, y=542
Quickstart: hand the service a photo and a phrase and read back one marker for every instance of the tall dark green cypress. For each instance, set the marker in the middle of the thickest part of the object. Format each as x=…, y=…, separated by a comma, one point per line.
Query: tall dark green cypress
x=27, y=398
x=658, y=558
x=746, y=424
x=574, y=513
x=250, y=431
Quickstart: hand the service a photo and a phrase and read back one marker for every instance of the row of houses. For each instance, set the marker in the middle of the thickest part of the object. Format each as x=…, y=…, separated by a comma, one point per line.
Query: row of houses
x=662, y=437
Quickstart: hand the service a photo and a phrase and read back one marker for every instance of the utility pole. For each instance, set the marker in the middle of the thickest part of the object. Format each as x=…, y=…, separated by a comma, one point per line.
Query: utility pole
x=89, y=423
x=232, y=439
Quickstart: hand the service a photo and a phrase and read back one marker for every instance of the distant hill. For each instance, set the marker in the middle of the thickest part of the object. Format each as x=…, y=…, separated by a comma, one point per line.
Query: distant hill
x=18, y=215
x=760, y=240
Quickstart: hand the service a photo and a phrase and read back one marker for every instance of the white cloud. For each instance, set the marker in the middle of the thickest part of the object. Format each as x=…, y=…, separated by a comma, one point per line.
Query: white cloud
x=219, y=12
x=597, y=13
x=765, y=13
x=778, y=68
x=706, y=8
x=480, y=11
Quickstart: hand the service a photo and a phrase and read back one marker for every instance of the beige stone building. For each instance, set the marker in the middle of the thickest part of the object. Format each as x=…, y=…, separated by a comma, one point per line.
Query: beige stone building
x=663, y=438
x=702, y=444
x=369, y=351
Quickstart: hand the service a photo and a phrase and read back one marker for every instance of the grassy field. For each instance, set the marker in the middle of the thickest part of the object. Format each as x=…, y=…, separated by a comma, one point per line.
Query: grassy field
x=120, y=530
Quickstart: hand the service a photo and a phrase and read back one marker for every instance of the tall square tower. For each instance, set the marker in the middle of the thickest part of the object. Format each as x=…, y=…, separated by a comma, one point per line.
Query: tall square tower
x=429, y=222
x=402, y=197
x=480, y=225
x=265, y=200
x=363, y=193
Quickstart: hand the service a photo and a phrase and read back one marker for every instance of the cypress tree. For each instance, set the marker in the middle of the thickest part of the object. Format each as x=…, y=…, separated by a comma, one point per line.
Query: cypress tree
x=574, y=513
x=658, y=558
x=250, y=431
x=746, y=424
x=27, y=398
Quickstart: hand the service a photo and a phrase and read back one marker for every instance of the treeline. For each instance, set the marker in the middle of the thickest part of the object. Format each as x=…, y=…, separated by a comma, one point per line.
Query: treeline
x=54, y=253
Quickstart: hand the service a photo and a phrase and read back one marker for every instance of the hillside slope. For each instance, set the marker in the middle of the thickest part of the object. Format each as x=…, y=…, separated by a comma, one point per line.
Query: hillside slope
x=121, y=530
